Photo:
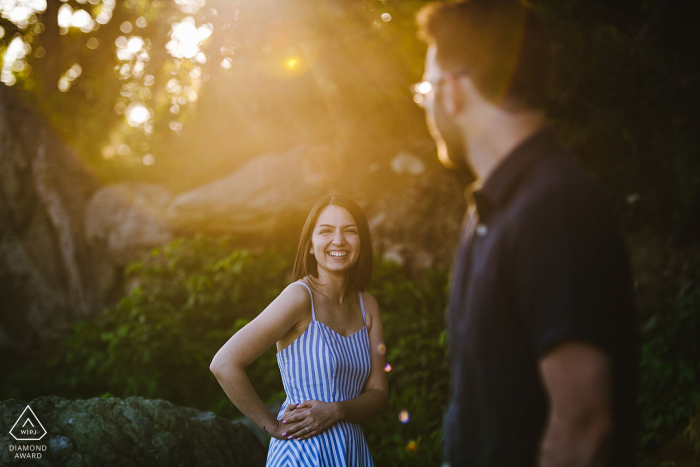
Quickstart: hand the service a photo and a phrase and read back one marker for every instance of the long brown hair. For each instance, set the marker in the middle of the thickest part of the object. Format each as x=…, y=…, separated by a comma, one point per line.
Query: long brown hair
x=305, y=263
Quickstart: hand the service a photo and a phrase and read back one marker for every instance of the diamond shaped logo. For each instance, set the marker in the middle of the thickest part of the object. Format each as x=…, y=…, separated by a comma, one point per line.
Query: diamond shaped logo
x=28, y=427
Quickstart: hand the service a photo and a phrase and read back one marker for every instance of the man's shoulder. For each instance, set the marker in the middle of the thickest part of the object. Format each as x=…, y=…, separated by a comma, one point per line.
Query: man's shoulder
x=559, y=171
x=559, y=182
x=560, y=195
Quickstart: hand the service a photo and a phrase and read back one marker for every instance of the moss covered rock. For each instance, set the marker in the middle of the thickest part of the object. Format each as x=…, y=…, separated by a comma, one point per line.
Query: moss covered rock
x=122, y=432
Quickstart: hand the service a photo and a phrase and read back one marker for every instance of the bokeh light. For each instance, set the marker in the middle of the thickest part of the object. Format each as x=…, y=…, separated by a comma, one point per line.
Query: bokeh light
x=93, y=43
x=411, y=446
x=190, y=7
x=381, y=348
x=137, y=114
x=387, y=368
x=186, y=38
x=226, y=63
x=404, y=416
x=104, y=11
x=425, y=87
x=80, y=19
x=65, y=81
x=13, y=60
x=20, y=12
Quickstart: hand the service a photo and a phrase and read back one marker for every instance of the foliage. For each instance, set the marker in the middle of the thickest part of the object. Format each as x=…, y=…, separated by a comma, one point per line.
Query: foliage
x=669, y=384
x=191, y=296
x=413, y=312
x=622, y=107
x=159, y=339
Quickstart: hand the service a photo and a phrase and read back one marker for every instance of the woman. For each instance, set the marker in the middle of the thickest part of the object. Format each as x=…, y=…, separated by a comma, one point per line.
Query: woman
x=330, y=347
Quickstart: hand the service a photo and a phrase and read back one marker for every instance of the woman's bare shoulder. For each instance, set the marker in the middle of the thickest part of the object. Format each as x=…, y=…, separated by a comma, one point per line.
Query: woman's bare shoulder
x=295, y=296
x=372, y=310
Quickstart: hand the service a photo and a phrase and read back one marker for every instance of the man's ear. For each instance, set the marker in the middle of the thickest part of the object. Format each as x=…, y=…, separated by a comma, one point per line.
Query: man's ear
x=454, y=95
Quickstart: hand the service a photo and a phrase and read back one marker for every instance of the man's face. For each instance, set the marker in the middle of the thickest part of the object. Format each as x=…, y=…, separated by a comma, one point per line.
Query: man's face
x=441, y=124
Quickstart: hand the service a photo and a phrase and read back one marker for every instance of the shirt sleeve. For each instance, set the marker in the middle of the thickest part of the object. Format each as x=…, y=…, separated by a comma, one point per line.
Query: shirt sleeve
x=571, y=271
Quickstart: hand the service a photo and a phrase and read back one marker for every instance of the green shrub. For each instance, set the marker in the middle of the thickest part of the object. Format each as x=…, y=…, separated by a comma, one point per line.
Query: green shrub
x=669, y=382
x=159, y=340
x=413, y=313
x=193, y=295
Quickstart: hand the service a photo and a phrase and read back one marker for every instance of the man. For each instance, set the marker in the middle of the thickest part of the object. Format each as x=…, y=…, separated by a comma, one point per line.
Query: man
x=541, y=319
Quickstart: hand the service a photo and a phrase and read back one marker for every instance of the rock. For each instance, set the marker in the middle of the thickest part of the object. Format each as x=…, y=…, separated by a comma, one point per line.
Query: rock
x=64, y=238
x=60, y=448
x=262, y=196
x=411, y=256
x=407, y=163
x=257, y=431
x=128, y=432
x=50, y=276
x=375, y=222
x=127, y=219
x=395, y=254
x=417, y=224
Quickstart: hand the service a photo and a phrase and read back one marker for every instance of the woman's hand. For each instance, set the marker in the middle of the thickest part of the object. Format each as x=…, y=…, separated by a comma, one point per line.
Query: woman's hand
x=281, y=428
x=318, y=416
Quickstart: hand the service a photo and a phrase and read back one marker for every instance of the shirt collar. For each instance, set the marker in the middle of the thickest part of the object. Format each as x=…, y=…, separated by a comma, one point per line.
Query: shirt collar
x=499, y=185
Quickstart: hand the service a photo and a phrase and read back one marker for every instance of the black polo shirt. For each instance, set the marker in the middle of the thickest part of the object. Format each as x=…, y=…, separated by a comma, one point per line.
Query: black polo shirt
x=540, y=261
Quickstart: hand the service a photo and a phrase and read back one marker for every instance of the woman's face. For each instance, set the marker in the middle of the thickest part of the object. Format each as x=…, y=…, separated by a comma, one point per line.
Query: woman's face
x=335, y=241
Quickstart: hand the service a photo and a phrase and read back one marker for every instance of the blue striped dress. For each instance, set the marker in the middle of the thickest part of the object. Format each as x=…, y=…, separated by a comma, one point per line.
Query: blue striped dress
x=326, y=366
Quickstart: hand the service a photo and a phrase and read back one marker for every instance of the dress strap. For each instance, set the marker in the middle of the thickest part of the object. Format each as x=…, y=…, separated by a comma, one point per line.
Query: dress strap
x=313, y=314
x=362, y=305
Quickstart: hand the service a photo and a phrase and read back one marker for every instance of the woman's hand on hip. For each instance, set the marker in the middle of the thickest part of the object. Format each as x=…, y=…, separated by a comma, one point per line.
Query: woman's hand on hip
x=311, y=418
x=279, y=431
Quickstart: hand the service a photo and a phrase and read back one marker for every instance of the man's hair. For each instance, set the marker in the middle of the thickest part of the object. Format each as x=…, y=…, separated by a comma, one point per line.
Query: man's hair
x=500, y=44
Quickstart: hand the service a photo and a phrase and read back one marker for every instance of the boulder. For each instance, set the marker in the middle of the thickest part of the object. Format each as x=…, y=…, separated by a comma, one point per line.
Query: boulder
x=262, y=196
x=127, y=219
x=124, y=432
x=406, y=163
x=417, y=224
x=50, y=276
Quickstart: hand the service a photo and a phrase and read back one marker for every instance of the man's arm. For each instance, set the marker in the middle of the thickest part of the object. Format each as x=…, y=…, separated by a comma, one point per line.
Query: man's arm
x=577, y=377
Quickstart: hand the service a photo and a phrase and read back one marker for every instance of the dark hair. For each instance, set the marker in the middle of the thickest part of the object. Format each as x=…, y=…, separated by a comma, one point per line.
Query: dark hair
x=500, y=44
x=305, y=263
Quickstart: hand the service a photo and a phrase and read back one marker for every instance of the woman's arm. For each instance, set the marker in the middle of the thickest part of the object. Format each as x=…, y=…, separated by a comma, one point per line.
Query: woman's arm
x=319, y=416
x=375, y=394
x=244, y=347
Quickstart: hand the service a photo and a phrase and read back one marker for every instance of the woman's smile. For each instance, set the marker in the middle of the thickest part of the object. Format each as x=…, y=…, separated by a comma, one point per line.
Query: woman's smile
x=338, y=253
